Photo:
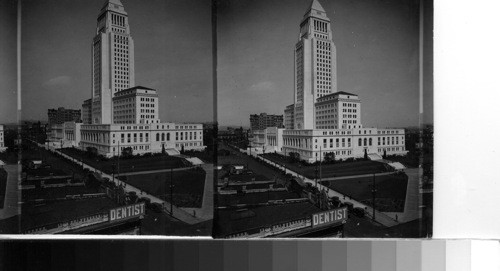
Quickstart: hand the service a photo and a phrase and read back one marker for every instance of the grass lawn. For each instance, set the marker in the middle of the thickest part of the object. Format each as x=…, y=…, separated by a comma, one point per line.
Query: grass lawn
x=188, y=186
x=3, y=186
x=133, y=164
x=331, y=170
x=391, y=190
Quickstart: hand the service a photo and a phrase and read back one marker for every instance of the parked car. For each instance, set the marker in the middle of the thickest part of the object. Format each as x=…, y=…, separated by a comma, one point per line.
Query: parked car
x=156, y=207
x=359, y=212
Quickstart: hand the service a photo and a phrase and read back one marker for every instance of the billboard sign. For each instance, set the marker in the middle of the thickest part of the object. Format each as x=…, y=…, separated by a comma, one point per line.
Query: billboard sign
x=127, y=212
x=334, y=216
x=274, y=229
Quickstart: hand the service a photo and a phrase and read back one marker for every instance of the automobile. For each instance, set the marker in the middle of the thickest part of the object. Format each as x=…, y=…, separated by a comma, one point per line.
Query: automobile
x=359, y=212
x=156, y=207
x=349, y=205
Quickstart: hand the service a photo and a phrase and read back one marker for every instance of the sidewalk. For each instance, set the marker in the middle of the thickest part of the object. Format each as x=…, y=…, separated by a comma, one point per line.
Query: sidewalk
x=206, y=212
x=153, y=171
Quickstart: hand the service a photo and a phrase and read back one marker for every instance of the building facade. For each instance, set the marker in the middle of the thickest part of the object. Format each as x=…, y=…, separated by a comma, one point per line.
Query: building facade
x=62, y=115
x=323, y=121
x=339, y=110
x=87, y=111
x=112, y=60
x=136, y=105
x=289, y=116
x=262, y=121
x=315, y=65
x=111, y=139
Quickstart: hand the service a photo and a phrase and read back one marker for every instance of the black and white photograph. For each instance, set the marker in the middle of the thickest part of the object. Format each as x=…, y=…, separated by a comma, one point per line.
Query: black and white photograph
x=115, y=98
x=325, y=119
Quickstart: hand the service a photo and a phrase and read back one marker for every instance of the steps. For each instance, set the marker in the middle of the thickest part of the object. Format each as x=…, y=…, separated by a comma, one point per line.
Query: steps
x=374, y=156
x=172, y=152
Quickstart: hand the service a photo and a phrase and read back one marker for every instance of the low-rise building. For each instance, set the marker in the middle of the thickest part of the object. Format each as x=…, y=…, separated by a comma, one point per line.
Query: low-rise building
x=62, y=115
x=263, y=120
x=111, y=139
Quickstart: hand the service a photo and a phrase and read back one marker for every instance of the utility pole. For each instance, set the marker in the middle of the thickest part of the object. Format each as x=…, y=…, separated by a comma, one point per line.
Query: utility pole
x=316, y=172
x=118, y=159
x=171, y=192
x=374, y=190
x=320, y=158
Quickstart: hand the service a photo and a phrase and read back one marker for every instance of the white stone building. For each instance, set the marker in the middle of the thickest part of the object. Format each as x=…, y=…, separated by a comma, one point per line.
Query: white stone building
x=120, y=115
x=315, y=65
x=112, y=60
x=110, y=139
x=324, y=120
x=135, y=105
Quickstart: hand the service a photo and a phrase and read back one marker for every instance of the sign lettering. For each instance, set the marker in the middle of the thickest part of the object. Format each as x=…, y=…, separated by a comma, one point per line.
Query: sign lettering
x=126, y=212
x=329, y=217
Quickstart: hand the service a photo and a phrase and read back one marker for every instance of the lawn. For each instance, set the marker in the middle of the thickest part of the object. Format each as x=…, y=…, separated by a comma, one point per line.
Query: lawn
x=390, y=196
x=3, y=186
x=133, y=164
x=330, y=170
x=187, y=191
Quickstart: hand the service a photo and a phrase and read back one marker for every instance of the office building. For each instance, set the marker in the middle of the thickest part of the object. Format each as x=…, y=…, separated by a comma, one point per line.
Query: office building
x=262, y=121
x=323, y=120
x=62, y=115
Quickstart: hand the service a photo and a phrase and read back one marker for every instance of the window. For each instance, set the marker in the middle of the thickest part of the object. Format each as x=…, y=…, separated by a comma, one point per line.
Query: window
x=370, y=141
x=364, y=141
x=359, y=141
x=157, y=137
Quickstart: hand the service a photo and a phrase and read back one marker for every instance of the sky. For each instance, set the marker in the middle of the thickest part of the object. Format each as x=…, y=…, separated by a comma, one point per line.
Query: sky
x=377, y=58
x=173, y=54
x=8, y=61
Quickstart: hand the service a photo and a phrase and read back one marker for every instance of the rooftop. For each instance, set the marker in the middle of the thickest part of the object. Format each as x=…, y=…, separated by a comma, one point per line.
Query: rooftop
x=231, y=222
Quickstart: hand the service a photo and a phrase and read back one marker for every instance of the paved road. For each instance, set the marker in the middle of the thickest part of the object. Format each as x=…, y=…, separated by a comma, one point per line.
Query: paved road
x=178, y=213
x=356, y=176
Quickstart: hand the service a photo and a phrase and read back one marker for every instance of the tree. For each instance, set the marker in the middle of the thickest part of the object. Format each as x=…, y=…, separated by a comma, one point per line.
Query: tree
x=293, y=157
x=127, y=152
x=163, y=149
x=330, y=157
x=91, y=151
x=366, y=154
x=385, y=154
